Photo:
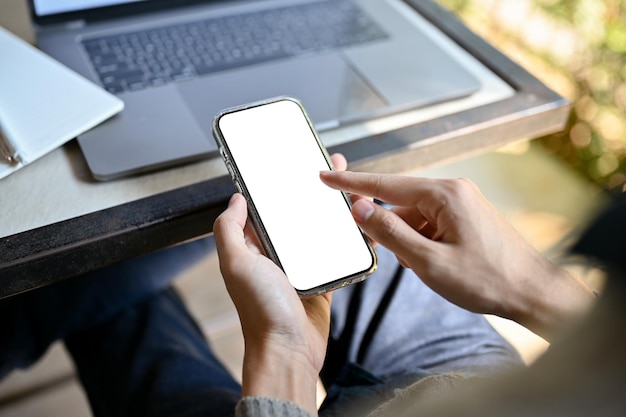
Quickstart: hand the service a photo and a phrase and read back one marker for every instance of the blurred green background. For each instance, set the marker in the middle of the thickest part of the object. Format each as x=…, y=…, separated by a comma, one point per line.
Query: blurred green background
x=577, y=48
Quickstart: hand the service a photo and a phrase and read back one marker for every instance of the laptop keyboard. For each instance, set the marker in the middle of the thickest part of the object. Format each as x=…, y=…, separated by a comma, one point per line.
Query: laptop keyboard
x=154, y=57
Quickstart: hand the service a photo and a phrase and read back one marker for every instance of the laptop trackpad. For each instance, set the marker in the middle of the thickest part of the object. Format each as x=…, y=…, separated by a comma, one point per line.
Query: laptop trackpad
x=325, y=84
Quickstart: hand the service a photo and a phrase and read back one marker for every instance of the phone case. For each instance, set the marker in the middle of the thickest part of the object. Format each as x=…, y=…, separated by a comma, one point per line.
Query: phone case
x=252, y=212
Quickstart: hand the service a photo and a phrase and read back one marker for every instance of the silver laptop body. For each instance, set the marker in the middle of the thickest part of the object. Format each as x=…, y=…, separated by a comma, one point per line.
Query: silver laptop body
x=345, y=60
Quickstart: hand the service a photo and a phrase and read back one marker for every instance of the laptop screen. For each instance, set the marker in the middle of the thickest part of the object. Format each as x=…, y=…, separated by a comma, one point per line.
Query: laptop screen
x=50, y=7
x=57, y=11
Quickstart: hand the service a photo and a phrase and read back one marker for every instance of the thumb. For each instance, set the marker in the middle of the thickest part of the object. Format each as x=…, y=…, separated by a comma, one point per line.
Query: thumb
x=391, y=231
x=229, y=228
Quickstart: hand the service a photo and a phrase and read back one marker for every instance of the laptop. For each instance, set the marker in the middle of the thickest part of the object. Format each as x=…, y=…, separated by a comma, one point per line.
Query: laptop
x=177, y=63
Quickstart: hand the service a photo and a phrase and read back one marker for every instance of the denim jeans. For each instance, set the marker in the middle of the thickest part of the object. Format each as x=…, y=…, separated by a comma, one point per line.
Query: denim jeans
x=32, y=321
x=419, y=334
x=137, y=350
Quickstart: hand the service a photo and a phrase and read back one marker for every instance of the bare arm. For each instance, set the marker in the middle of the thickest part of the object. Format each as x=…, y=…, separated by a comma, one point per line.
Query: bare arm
x=455, y=240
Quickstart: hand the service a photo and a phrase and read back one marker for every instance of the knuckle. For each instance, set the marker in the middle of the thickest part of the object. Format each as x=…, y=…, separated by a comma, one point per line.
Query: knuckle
x=378, y=184
x=460, y=188
x=381, y=184
x=217, y=226
x=218, y=222
x=387, y=226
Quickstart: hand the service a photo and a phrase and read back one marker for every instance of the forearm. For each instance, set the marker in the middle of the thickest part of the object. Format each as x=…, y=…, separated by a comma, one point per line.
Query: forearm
x=551, y=299
x=278, y=372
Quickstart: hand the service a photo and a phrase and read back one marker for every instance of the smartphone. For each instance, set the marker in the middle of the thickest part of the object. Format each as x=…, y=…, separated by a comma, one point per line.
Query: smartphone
x=274, y=157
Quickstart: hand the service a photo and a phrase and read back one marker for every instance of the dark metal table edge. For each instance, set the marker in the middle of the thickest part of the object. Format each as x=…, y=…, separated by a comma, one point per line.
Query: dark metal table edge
x=45, y=255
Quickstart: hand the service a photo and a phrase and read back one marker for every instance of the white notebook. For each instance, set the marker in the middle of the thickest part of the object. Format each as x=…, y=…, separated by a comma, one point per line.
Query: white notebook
x=43, y=104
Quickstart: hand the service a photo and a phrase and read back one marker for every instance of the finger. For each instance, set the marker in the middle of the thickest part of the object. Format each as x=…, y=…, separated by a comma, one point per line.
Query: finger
x=339, y=162
x=393, y=189
x=236, y=211
x=229, y=228
x=412, y=217
x=355, y=197
x=252, y=240
x=388, y=229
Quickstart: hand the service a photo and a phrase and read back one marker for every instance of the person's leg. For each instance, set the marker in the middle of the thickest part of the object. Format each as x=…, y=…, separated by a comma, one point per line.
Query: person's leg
x=374, y=350
x=152, y=360
x=419, y=330
x=34, y=320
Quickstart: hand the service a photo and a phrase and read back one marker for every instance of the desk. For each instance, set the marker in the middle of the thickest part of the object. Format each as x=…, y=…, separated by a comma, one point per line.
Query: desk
x=123, y=219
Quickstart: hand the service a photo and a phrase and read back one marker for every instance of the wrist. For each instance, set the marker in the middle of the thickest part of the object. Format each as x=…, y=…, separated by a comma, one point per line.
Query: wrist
x=277, y=371
x=551, y=303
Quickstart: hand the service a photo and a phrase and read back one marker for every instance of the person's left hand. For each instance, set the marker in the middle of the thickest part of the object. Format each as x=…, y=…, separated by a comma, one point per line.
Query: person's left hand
x=285, y=336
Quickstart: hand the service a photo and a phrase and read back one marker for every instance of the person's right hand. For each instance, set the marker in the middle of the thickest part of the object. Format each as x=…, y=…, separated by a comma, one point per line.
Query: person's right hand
x=458, y=244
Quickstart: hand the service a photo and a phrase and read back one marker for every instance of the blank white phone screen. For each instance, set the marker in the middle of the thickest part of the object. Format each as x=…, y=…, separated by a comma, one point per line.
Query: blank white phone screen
x=309, y=224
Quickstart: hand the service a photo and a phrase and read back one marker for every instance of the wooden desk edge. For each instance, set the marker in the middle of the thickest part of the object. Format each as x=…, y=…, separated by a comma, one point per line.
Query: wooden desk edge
x=46, y=255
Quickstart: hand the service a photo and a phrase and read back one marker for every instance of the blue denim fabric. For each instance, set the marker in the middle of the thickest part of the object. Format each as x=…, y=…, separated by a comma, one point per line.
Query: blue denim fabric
x=138, y=351
x=356, y=391
x=420, y=332
x=32, y=321
x=152, y=360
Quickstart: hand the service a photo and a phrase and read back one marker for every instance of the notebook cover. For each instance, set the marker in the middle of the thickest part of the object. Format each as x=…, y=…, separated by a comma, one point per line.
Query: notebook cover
x=44, y=104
